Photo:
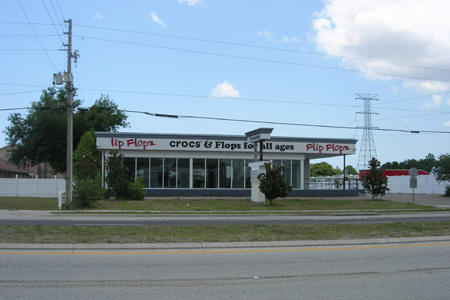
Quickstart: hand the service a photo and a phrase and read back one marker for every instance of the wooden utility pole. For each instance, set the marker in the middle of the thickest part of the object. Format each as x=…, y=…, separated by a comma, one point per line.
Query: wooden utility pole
x=68, y=79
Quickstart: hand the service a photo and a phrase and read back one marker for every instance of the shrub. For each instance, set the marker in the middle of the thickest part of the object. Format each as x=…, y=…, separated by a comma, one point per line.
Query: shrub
x=87, y=191
x=447, y=191
x=272, y=183
x=117, y=177
x=137, y=189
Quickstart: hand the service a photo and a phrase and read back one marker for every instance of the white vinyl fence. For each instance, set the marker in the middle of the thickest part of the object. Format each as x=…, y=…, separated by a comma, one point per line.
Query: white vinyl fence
x=426, y=184
x=31, y=187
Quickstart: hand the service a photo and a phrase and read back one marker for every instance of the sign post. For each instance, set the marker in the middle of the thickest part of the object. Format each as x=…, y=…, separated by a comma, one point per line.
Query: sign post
x=257, y=136
x=413, y=180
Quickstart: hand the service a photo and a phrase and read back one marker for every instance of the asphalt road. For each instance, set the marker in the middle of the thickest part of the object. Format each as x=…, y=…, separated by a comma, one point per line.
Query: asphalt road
x=45, y=218
x=395, y=271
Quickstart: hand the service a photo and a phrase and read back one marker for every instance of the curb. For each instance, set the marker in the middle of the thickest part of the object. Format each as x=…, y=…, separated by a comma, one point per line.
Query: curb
x=217, y=246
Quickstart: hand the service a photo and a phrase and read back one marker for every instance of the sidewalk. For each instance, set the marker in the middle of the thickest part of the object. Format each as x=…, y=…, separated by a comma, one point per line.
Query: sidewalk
x=214, y=247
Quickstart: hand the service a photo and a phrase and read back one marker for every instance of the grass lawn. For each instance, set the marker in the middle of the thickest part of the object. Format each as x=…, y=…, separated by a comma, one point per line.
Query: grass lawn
x=28, y=203
x=215, y=205
x=225, y=233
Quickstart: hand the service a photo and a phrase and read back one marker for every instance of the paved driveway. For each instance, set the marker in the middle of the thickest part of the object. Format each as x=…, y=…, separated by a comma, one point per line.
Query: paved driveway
x=438, y=201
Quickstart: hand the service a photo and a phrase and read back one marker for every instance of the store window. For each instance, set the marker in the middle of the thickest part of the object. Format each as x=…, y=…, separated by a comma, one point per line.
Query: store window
x=143, y=171
x=206, y=173
x=292, y=171
x=156, y=173
x=225, y=172
x=238, y=173
x=212, y=170
x=170, y=172
x=287, y=172
x=130, y=164
x=296, y=169
x=183, y=173
x=198, y=173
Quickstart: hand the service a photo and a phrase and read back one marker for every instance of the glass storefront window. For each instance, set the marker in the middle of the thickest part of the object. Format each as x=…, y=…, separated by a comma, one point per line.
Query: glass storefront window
x=206, y=173
x=143, y=171
x=170, y=172
x=156, y=173
x=211, y=173
x=287, y=172
x=238, y=173
x=130, y=163
x=225, y=173
x=296, y=174
x=183, y=173
x=276, y=162
x=198, y=173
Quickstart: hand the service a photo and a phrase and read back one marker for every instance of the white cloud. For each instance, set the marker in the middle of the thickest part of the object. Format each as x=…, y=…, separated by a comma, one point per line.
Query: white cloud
x=435, y=102
x=264, y=33
x=98, y=16
x=226, y=90
x=285, y=39
x=446, y=124
x=290, y=39
x=190, y=2
x=157, y=20
x=405, y=32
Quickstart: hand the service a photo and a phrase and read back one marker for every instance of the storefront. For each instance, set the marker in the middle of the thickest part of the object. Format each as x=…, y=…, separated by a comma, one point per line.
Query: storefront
x=214, y=165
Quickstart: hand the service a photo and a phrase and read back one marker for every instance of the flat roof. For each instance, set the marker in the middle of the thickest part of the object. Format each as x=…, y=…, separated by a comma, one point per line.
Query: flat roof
x=220, y=137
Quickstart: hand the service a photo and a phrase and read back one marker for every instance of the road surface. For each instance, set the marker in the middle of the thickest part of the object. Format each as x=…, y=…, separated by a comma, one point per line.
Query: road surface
x=390, y=271
x=46, y=218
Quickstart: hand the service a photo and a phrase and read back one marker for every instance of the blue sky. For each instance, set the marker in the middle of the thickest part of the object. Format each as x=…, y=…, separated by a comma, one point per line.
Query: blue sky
x=301, y=62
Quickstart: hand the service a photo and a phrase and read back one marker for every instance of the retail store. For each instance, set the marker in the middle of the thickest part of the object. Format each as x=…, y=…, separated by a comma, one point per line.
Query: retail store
x=178, y=165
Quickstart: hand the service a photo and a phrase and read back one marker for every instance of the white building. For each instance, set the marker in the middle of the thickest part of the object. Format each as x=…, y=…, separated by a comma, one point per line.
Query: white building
x=217, y=165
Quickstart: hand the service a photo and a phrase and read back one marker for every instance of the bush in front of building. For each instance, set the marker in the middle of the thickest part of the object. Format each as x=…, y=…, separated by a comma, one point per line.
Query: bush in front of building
x=87, y=191
x=118, y=180
x=273, y=184
x=137, y=189
x=87, y=175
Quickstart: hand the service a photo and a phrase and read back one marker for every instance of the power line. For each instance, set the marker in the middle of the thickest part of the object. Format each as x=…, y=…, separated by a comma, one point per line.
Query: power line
x=50, y=17
x=260, y=47
x=171, y=116
x=16, y=93
x=260, y=59
x=23, y=49
x=236, y=99
x=59, y=7
x=40, y=42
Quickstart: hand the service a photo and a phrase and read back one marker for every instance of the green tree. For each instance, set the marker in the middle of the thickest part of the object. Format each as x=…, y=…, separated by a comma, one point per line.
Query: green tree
x=442, y=168
x=87, y=172
x=40, y=135
x=373, y=181
x=273, y=184
x=351, y=170
x=86, y=158
x=117, y=177
x=322, y=169
x=426, y=164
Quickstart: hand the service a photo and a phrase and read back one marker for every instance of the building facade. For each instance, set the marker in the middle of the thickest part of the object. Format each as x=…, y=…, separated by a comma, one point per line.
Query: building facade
x=215, y=165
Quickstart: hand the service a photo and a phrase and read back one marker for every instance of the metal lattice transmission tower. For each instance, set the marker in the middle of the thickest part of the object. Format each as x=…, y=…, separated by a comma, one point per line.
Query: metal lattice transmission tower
x=367, y=150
